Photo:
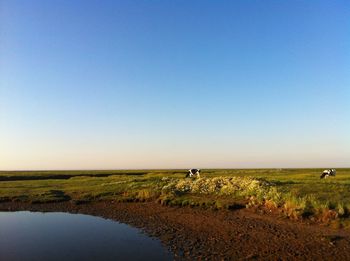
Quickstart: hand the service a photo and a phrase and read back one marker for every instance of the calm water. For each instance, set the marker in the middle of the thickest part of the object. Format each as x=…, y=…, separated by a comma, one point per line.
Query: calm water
x=60, y=236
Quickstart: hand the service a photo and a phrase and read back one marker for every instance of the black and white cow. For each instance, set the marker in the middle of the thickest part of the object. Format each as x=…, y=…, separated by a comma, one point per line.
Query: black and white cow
x=328, y=173
x=193, y=172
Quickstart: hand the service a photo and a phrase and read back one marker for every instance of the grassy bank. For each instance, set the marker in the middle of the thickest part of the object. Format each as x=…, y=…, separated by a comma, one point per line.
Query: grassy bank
x=295, y=193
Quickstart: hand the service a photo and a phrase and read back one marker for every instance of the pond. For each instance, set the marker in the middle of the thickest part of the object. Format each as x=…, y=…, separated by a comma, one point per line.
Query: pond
x=28, y=235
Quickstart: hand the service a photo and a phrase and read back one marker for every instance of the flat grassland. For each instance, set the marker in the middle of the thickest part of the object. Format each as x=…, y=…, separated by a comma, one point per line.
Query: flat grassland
x=293, y=193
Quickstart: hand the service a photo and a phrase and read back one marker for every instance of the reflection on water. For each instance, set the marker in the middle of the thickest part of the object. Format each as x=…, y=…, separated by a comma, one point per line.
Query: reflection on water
x=60, y=236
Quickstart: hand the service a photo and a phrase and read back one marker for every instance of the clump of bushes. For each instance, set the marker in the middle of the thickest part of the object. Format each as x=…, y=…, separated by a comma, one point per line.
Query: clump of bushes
x=219, y=185
x=308, y=207
x=257, y=192
x=141, y=195
x=147, y=194
x=295, y=207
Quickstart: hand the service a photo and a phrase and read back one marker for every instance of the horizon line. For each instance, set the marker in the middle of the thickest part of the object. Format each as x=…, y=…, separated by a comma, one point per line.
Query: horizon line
x=161, y=169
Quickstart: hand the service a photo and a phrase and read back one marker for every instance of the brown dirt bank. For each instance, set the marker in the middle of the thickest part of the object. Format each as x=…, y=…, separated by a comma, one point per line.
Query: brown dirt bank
x=194, y=233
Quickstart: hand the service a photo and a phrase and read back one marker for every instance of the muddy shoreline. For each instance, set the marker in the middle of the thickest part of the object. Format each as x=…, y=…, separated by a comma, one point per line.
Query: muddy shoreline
x=200, y=234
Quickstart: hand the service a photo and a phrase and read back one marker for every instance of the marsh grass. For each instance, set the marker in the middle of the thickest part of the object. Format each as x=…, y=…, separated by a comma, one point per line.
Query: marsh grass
x=295, y=193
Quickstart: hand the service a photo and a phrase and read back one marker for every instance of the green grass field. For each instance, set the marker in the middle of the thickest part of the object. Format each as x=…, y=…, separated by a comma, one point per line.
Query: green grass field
x=298, y=192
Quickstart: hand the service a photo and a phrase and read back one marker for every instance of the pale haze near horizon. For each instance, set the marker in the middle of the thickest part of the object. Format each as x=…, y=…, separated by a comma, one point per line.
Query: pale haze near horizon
x=132, y=85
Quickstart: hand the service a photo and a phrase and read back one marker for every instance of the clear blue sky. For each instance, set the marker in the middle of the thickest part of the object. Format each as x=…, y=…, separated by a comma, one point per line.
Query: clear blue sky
x=174, y=84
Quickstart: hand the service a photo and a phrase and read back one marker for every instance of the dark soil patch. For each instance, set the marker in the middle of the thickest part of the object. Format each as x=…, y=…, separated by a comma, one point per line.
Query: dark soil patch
x=63, y=176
